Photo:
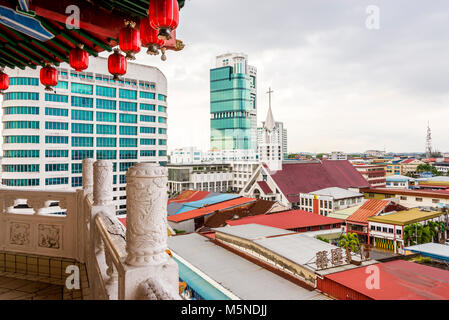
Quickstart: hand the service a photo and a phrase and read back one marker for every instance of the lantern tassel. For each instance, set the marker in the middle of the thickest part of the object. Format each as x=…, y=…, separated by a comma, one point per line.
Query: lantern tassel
x=164, y=34
x=163, y=57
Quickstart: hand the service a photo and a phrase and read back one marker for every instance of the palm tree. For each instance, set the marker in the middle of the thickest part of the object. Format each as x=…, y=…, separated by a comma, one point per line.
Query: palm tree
x=432, y=230
x=409, y=234
x=350, y=240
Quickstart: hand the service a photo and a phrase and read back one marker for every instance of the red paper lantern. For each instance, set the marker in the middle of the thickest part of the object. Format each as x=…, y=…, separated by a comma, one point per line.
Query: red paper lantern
x=78, y=58
x=117, y=64
x=164, y=17
x=4, y=82
x=49, y=77
x=129, y=40
x=148, y=37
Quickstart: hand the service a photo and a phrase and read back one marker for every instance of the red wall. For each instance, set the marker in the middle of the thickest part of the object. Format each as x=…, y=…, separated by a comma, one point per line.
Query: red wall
x=316, y=206
x=339, y=291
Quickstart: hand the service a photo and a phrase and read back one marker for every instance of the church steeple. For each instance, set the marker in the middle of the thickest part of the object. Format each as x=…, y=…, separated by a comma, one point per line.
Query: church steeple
x=269, y=122
x=270, y=151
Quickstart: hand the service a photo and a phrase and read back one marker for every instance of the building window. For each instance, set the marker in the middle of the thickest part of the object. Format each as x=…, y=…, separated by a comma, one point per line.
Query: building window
x=148, y=130
x=56, y=125
x=21, y=125
x=128, y=94
x=82, y=88
x=403, y=198
x=56, y=153
x=146, y=95
x=22, y=96
x=106, y=91
x=82, y=128
x=128, y=106
x=82, y=142
x=23, y=81
x=82, y=115
x=106, y=129
x=106, y=154
x=128, y=118
x=106, y=142
x=106, y=104
x=418, y=199
x=21, y=110
x=128, y=130
x=56, y=98
x=106, y=116
x=147, y=107
x=82, y=102
x=82, y=154
x=56, y=112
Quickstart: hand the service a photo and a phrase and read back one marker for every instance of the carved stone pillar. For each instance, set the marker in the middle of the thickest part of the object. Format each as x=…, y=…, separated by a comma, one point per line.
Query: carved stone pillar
x=146, y=220
x=88, y=175
x=102, y=189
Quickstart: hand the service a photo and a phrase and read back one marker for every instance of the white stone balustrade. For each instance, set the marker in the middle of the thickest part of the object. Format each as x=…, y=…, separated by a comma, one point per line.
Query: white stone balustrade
x=131, y=264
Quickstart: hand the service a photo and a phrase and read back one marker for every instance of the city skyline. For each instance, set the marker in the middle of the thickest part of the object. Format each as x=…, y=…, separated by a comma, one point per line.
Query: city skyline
x=338, y=85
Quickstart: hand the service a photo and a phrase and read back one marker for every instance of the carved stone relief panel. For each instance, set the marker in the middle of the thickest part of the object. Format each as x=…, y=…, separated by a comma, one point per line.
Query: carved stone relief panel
x=49, y=236
x=20, y=234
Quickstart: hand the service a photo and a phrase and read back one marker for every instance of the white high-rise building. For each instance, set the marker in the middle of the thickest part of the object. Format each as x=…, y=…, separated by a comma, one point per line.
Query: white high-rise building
x=186, y=155
x=46, y=134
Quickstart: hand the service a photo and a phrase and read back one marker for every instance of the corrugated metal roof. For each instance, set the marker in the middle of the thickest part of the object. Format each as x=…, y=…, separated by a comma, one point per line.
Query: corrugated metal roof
x=187, y=215
x=441, y=194
x=406, y=217
x=295, y=178
x=287, y=220
x=370, y=208
x=337, y=193
x=252, y=231
x=435, y=250
x=399, y=280
x=243, y=278
x=344, y=213
x=188, y=206
x=296, y=247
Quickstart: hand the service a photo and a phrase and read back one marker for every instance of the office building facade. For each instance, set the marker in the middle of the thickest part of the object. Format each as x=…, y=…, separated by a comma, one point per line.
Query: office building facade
x=46, y=135
x=233, y=106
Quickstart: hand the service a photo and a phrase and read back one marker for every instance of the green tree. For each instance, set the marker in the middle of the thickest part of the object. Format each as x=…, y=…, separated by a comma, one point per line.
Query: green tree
x=418, y=234
x=350, y=240
x=428, y=168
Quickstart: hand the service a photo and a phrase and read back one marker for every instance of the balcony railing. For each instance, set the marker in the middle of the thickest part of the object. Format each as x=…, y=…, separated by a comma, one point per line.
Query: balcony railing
x=121, y=264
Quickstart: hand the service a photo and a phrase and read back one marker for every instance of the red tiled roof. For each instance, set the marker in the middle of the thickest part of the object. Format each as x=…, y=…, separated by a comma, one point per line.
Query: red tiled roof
x=291, y=219
x=407, y=161
x=295, y=178
x=210, y=209
x=399, y=280
x=370, y=208
x=264, y=186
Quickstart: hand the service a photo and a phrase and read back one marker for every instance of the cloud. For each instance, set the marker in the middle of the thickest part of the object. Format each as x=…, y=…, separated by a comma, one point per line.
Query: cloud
x=338, y=85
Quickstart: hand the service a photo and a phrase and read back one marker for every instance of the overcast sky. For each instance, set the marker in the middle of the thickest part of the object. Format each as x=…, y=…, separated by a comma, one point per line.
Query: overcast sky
x=338, y=85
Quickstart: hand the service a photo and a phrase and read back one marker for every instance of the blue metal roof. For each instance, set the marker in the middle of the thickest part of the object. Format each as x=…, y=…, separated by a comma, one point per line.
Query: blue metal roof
x=432, y=250
x=203, y=288
x=206, y=201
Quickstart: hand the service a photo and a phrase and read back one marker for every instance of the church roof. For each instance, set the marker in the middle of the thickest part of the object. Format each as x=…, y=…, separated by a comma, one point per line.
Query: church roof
x=305, y=177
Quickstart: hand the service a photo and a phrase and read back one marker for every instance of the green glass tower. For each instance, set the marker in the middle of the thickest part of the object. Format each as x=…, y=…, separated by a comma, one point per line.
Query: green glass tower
x=233, y=104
